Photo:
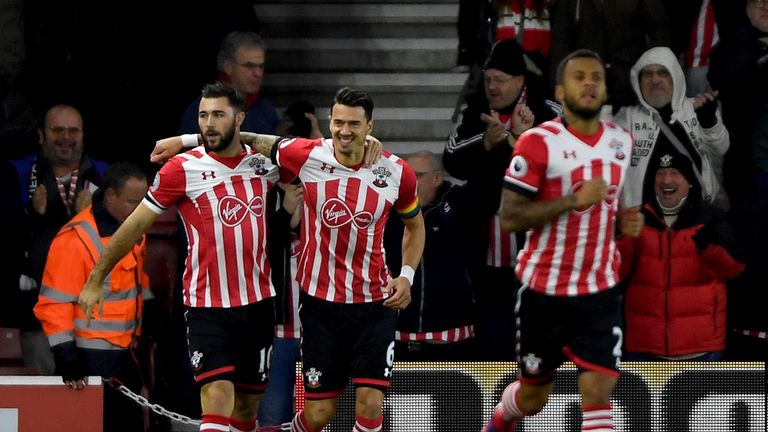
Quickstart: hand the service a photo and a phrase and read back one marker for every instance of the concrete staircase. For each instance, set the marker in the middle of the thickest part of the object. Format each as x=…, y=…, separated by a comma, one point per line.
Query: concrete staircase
x=401, y=52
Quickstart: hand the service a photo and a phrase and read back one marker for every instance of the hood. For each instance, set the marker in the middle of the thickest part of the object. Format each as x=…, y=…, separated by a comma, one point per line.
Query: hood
x=665, y=57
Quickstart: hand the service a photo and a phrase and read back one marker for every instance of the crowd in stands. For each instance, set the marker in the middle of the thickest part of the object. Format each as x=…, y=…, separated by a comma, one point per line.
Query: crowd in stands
x=694, y=95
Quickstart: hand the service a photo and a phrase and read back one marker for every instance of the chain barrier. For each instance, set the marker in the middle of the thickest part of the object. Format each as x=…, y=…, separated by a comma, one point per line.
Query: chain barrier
x=158, y=409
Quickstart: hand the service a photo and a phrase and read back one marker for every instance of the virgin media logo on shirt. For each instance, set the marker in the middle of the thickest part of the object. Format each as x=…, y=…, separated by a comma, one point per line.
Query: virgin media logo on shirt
x=607, y=202
x=233, y=210
x=335, y=214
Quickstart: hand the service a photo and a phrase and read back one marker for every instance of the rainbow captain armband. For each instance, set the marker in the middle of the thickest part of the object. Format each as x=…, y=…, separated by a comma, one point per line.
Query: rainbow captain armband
x=408, y=273
x=411, y=210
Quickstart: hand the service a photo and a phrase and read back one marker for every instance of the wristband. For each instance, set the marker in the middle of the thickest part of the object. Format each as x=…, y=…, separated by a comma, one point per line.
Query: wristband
x=189, y=140
x=408, y=273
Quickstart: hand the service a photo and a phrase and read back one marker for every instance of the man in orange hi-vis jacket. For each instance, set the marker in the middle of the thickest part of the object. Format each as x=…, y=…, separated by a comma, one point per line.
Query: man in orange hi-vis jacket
x=104, y=347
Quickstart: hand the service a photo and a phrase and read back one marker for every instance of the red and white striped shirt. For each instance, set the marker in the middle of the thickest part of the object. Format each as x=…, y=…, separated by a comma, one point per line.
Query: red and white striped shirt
x=703, y=37
x=223, y=205
x=536, y=36
x=291, y=329
x=502, y=246
x=345, y=211
x=451, y=335
x=574, y=254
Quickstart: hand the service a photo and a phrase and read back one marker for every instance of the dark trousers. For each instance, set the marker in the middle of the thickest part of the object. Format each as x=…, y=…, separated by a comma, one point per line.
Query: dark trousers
x=496, y=293
x=121, y=414
x=460, y=351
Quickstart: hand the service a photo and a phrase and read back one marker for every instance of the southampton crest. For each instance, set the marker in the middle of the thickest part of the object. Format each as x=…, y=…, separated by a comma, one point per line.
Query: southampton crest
x=257, y=164
x=313, y=378
x=381, y=174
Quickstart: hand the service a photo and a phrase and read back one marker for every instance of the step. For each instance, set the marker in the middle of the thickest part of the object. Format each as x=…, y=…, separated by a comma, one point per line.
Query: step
x=402, y=124
x=271, y=31
x=379, y=54
x=295, y=14
x=391, y=98
x=403, y=148
x=360, y=61
x=443, y=82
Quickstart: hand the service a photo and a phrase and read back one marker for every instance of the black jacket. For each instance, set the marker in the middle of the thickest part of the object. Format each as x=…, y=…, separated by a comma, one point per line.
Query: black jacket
x=442, y=294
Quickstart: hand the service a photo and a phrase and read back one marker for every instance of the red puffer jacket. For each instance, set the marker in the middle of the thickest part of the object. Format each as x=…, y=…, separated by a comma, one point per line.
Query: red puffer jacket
x=675, y=298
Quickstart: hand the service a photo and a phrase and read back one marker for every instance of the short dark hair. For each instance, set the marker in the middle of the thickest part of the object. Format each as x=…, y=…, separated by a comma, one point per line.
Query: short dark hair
x=353, y=97
x=117, y=174
x=579, y=53
x=220, y=89
x=233, y=42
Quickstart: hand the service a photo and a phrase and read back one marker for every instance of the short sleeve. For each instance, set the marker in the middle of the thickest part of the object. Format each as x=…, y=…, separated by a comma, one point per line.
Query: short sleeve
x=291, y=154
x=407, y=203
x=528, y=167
x=168, y=187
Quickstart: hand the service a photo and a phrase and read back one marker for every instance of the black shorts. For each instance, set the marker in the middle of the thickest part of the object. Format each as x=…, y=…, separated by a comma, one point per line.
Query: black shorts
x=340, y=341
x=551, y=330
x=232, y=344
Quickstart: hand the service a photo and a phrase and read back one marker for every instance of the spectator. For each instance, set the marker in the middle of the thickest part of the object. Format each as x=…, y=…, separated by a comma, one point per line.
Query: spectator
x=299, y=120
x=440, y=323
x=56, y=183
x=481, y=145
x=663, y=119
x=695, y=32
x=619, y=30
x=219, y=190
x=474, y=27
x=675, y=298
x=527, y=21
x=738, y=70
x=105, y=347
x=241, y=62
x=477, y=28
x=277, y=405
x=560, y=188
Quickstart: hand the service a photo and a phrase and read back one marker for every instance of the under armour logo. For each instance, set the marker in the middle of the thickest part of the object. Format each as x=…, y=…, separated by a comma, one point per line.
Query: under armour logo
x=233, y=210
x=569, y=153
x=336, y=214
x=327, y=167
x=207, y=174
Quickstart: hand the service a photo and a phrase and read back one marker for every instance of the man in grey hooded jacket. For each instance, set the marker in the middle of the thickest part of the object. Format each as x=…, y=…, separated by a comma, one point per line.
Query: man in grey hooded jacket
x=691, y=123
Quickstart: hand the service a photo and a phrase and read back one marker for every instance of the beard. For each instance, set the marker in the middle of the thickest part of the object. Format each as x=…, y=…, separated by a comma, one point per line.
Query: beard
x=587, y=113
x=225, y=140
x=51, y=153
x=657, y=101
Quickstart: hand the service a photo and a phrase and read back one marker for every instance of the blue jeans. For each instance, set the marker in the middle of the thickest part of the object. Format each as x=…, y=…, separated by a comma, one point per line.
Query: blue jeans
x=276, y=406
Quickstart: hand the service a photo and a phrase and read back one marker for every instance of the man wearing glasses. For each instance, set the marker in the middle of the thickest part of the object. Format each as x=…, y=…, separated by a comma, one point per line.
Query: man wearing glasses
x=55, y=184
x=482, y=144
x=241, y=62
